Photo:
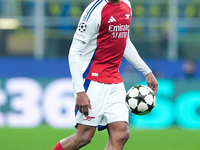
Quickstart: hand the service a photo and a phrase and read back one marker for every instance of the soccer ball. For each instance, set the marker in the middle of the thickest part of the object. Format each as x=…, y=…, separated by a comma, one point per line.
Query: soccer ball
x=140, y=100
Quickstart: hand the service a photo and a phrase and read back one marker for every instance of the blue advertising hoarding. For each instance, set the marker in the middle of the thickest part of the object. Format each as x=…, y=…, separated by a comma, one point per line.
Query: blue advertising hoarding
x=33, y=92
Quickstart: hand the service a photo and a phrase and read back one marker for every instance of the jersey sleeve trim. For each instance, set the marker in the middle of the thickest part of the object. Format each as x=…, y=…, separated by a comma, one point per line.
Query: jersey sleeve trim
x=89, y=12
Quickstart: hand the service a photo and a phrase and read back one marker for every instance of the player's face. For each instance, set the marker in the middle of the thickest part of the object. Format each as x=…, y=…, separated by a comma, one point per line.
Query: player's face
x=114, y=1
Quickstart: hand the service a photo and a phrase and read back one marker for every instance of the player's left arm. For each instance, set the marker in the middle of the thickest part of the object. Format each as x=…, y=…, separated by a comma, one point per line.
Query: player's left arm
x=134, y=58
x=152, y=82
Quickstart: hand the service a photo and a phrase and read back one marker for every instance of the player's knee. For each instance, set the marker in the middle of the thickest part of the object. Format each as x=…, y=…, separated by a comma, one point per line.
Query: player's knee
x=84, y=134
x=125, y=136
x=85, y=140
x=122, y=137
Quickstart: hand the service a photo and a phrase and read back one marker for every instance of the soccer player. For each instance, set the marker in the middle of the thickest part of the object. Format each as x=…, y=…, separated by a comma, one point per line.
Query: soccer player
x=99, y=44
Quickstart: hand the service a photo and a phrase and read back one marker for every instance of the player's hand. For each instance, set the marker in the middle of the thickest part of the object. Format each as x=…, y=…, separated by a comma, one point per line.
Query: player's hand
x=152, y=82
x=83, y=103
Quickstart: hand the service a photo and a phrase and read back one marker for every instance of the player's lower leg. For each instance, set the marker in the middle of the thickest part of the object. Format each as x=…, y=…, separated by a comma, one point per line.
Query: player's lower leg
x=58, y=146
x=81, y=138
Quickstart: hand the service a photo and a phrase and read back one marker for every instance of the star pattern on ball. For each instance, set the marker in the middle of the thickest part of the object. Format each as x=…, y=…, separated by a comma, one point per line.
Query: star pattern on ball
x=135, y=110
x=127, y=98
x=82, y=27
x=140, y=98
x=137, y=87
x=150, y=107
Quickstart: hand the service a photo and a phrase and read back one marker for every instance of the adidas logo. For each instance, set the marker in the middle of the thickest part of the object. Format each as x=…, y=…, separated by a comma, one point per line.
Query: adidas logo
x=112, y=19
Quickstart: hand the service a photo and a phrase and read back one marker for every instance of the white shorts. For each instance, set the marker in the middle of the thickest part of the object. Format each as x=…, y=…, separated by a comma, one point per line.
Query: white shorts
x=108, y=105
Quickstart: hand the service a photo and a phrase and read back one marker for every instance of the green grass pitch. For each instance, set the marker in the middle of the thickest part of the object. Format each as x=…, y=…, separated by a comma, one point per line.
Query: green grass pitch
x=44, y=138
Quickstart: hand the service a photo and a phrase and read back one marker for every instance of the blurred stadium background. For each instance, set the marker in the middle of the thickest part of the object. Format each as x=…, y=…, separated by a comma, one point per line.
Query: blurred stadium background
x=36, y=94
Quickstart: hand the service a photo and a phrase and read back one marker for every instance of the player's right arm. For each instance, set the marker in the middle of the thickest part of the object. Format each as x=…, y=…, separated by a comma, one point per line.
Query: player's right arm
x=82, y=100
x=74, y=57
x=87, y=28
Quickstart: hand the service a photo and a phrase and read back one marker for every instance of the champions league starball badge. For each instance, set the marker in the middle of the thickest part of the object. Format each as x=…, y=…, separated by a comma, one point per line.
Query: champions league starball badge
x=82, y=27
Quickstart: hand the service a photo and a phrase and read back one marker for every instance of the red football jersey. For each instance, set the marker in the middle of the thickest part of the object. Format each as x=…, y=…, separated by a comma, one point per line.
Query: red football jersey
x=105, y=28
